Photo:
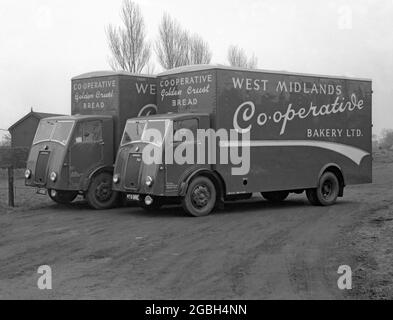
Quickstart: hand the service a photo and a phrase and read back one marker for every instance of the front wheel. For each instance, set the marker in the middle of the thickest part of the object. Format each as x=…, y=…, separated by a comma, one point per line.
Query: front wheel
x=200, y=197
x=327, y=191
x=62, y=197
x=100, y=194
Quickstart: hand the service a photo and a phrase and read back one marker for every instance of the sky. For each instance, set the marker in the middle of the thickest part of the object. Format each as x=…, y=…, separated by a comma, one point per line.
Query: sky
x=44, y=43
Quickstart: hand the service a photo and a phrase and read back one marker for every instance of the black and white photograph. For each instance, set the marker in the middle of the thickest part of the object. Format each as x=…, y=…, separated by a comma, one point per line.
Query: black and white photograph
x=196, y=156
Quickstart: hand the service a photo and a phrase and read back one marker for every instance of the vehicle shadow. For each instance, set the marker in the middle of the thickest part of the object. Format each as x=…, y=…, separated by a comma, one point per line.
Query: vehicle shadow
x=83, y=205
x=176, y=210
x=232, y=207
x=255, y=204
x=259, y=204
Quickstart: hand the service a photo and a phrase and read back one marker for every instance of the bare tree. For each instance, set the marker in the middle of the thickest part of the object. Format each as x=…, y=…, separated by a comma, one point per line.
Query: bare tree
x=199, y=52
x=172, y=44
x=149, y=68
x=176, y=48
x=253, y=62
x=130, y=50
x=5, y=140
x=237, y=58
x=386, y=141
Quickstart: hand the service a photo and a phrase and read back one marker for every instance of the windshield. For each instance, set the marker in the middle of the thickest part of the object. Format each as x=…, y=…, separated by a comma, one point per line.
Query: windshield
x=140, y=131
x=62, y=131
x=150, y=133
x=53, y=130
x=133, y=131
x=44, y=130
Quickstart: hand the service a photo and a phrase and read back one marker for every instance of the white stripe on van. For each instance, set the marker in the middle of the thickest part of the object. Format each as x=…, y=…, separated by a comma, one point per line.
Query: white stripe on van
x=353, y=153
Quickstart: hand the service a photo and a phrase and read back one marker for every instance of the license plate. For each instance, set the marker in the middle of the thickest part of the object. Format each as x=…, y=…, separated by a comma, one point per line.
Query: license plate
x=133, y=197
x=42, y=191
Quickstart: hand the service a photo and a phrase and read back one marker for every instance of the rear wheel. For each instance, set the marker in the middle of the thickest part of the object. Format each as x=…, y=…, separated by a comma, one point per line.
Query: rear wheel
x=275, y=196
x=327, y=191
x=200, y=197
x=62, y=197
x=100, y=194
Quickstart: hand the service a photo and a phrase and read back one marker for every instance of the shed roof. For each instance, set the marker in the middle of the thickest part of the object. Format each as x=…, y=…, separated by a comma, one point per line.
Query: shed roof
x=37, y=115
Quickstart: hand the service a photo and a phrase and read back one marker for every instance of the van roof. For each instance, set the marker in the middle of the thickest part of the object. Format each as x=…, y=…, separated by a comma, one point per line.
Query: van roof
x=171, y=116
x=202, y=67
x=108, y=73
x=79, y=117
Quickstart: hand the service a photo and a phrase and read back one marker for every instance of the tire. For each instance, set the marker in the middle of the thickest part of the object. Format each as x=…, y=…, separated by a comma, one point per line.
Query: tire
x=157, y=203
x=62, y=197
x=100, y=194
x=327, y=191
x=312, y=197
x=200, y=198
x=275, y=196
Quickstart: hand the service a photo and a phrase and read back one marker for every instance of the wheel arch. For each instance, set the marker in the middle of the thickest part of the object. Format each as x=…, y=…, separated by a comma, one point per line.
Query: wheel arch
x=92, y=174
x=213, y=175
x=336, y=169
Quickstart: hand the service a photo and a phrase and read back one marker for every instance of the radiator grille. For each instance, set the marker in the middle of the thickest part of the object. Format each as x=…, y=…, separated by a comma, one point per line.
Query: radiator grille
x=41, y=167
x=132, y=172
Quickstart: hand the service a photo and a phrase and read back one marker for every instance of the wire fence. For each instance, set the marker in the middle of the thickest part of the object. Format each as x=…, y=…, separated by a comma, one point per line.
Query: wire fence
x=15, y=157
x=12, y=159
x=24, y=197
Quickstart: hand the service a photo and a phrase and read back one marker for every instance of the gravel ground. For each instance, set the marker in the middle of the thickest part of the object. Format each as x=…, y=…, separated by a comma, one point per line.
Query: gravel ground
x=248, y=250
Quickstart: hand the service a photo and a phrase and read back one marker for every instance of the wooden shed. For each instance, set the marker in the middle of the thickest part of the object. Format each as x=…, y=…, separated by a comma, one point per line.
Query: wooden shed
x=23, y=131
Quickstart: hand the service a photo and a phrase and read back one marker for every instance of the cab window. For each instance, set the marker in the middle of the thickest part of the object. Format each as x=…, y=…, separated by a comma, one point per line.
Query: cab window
x=89, y=132
x=190, y=124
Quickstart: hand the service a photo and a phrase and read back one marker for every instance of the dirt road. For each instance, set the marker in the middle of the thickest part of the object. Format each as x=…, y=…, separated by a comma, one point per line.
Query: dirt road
x=252, y=250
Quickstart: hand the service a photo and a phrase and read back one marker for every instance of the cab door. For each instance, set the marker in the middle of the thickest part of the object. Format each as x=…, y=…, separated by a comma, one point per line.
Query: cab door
x=86, y=150
x=175, y=171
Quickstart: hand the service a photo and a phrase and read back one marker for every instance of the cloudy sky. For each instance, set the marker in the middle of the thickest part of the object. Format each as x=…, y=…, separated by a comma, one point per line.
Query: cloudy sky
x=46, y=42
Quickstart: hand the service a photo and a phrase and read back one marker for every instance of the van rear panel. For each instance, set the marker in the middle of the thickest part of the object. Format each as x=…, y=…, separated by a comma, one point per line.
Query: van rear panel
x=298, y=125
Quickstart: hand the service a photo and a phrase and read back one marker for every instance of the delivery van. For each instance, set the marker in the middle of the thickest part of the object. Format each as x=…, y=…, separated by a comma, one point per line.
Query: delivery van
x=74, y=154
x=225, y=133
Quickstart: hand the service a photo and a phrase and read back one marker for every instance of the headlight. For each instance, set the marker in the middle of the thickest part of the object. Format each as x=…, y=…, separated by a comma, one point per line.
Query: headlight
x=53, y=176
x=149, y=181
x=116, y=178
x=27, y=174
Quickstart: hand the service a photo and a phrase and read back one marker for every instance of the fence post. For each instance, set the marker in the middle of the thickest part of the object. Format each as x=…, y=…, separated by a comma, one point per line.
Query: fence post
x=11, y=202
